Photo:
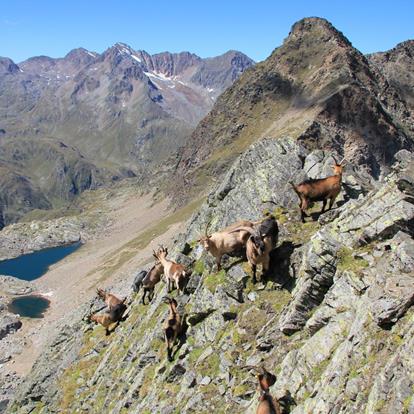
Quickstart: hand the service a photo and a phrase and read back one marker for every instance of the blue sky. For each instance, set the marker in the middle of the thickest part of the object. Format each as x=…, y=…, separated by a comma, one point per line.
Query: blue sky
x=207, y=28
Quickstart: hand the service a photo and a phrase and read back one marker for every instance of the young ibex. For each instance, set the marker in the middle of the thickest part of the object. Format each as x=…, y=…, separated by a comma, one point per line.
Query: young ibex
x=106, y=319
x=148, y=282
x=261, y=242
x=172, y=326
x=267, y=404
x=322, y=189
x=174, y=272
x=226, y=241
x=110, y=299
x=137, y=282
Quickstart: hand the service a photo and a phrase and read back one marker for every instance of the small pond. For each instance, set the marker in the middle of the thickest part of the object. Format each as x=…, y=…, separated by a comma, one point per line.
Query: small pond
x=33, y=265
x=30, y=306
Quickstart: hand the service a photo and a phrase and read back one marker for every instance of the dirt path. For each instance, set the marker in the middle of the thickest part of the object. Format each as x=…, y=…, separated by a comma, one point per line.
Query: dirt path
x=104, y=261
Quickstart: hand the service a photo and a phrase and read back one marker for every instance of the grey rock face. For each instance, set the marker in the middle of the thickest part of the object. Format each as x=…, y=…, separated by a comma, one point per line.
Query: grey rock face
x=9, y=323
x=262, y=173
x=333, y=320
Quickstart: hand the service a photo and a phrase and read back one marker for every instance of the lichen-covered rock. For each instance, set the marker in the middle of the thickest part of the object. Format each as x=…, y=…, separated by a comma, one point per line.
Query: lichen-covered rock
x=333, y=318
x=262, y=173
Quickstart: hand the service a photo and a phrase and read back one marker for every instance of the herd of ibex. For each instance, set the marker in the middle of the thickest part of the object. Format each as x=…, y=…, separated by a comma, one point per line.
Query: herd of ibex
x=254, y=239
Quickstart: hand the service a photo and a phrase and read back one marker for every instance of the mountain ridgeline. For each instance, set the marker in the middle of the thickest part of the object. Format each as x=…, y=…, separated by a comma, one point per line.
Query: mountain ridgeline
x=316, y=88
x=89, y=119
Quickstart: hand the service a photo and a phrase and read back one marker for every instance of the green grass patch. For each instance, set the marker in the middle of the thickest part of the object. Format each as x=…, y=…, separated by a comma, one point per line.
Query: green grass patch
x=300, y=233
x=347, y=260
x=213, y=280
x=199, y=267
x=194, y=355
x=209, y=366
x=241, y=389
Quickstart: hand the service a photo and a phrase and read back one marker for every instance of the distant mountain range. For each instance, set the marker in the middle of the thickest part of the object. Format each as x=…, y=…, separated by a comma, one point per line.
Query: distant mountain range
x=88, y=119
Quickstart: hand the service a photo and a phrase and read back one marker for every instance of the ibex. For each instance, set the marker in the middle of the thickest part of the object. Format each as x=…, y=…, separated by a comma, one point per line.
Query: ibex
x=108, y=318
x=261, y=242
x=109, y=298
x=267, y=404
x=149, y=280
x=322, y=189
x=174, y=272
x=226, y=241
x=172, y=326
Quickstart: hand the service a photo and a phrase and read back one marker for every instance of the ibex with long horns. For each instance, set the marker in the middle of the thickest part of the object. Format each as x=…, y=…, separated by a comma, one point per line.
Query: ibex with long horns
x=322, y=189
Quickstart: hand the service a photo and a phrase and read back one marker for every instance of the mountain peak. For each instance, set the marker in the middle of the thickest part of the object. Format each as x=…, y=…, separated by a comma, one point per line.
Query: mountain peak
x=80, y=56
x=81, y=51
x=123, y=48
x=404, y=48
x=317, y=29
x=119, y=51
x=8, y=66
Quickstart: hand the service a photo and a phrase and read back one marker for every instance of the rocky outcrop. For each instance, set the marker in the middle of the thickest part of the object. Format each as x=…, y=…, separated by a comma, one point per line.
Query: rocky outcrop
x=315, y=87
x=23, y=238
x=397, y=66
x=9, y=323
x=333, y=319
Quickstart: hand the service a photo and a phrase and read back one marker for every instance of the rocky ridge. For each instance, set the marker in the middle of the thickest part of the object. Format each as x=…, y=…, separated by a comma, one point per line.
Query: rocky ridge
x=10, y=323
x=333, y=320
x=315, y=87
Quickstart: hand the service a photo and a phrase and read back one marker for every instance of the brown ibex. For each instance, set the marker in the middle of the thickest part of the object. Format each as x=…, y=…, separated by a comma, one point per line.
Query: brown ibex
x=261, y=242
x=172, y=326
x=174, y=272
x=109, y=298
x=148, y=281
x=267, y=404
x=322, y=189
x=226, y=241
x=106, y=319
